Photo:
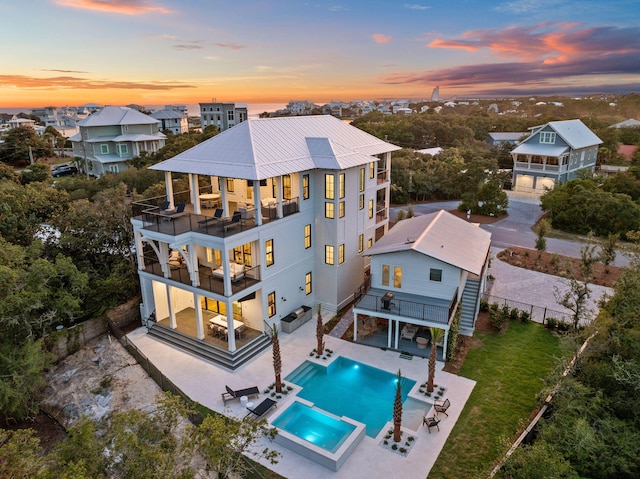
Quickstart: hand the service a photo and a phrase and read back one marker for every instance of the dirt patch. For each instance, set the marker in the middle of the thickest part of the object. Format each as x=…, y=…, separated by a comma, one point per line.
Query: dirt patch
x=557, y=265
x=481, y=219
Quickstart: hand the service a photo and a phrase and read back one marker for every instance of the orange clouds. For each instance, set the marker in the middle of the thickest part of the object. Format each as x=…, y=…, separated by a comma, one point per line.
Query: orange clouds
x=69, y=82
x=381, y=38
x=125, y=7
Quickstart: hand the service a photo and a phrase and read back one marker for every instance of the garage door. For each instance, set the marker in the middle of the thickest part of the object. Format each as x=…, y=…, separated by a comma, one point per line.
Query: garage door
x=543, y=183
x=524, y=182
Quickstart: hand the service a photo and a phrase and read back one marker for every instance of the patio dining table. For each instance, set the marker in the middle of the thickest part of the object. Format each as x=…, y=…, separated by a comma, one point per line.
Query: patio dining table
x=220, y=320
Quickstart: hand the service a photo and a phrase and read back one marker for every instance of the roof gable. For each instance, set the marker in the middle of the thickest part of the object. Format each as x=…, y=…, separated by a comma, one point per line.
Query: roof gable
x=117, y=115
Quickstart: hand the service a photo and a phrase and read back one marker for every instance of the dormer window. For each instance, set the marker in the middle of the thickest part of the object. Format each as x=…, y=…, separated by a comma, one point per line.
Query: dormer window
x=547, y=137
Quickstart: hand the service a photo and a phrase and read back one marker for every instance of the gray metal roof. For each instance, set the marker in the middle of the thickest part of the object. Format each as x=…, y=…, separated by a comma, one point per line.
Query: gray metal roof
x=262, y=148
x=573, y=132
x=439, y=235
x=541, y=149
x=117, y=115
x=507, y=135
x=630, y=123
x=168, y=115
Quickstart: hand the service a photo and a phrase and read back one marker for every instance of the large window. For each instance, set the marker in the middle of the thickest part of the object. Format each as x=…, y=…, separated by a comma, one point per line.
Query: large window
x=547, y=137
x=361, y=180
x=341, y=209
x=286, y=187
x=329, y=187
x=397, y=277
x=341, y=253
x=386, y=273
x=307, y=283
x=328, y=254
x=242, y=254
x=104, y=149
x=329, y=210
x=341, y=185
x=122, y=149
x=271, y=304
x=307, y=236
x=435, y=274
x=305, y=187
x=268, y=248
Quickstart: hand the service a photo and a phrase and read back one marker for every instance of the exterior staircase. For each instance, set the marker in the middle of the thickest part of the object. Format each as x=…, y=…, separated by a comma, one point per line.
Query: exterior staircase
x=470, y=305
x=213, y=354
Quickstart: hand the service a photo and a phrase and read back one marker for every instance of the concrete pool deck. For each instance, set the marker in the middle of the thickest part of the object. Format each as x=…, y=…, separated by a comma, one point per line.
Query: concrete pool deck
x=204, y=382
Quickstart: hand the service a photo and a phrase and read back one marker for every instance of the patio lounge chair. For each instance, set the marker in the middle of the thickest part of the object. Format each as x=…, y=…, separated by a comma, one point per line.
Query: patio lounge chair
x=442, y=408
x=217, y=215
x=262, y=408
x=431, y=422
x=179, y=211
x=235, y=220
x=230, y=394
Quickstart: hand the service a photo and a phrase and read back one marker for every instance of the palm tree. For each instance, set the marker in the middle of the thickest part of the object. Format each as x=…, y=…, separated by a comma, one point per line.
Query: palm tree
x=277, y=359
x=397, y=409
x=320, y=332
x=436, y=335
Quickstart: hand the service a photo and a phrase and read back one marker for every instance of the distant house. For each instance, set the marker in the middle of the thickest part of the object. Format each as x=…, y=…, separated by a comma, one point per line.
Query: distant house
x=553, y=154
x=114, y=135
x=422, y=271
x=511, y=138
x=171, y=120
x=631, y=123
x=431, y=151
x=222, y=115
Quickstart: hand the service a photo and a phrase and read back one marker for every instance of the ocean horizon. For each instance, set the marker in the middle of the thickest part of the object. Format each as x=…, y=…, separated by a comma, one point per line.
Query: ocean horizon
x=193, y=109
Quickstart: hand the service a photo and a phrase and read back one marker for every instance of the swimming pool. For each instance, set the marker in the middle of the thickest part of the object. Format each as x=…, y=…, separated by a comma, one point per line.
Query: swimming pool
x=351, y=389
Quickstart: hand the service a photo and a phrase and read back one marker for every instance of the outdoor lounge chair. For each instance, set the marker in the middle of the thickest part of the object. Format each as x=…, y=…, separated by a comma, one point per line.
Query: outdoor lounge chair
x=217, y=215
x=431, y=422
x=230, y=394
x=179, y=211
x=262, y=408
x=165, y=205
x=235, y=220
x=442, y=408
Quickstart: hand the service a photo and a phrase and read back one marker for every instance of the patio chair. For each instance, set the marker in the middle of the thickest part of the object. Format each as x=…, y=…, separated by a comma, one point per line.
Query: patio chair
x=235, y=220
x=217, y=214
x=431, y=422
x=179, y=211
x=165, y=205
x=262, y=408
x=409, y=331
x=231, y=394
x=442, y=407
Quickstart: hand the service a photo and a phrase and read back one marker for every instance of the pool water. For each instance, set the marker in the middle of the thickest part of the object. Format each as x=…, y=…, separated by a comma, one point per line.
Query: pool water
x=313, y=426
x=352, y=389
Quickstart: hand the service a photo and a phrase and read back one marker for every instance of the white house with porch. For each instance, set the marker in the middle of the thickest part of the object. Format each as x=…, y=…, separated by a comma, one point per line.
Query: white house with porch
x=422, y=271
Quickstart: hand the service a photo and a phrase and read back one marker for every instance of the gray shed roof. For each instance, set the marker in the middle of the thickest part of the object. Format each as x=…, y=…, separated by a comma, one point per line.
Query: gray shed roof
x=117, y=115
x=439, y=235
x=257, y=149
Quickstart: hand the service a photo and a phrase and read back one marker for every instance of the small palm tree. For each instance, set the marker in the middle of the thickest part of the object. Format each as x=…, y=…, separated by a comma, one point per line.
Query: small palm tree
x=320, y=332
x=397, y=409
x=277, y=359
x=436, y=335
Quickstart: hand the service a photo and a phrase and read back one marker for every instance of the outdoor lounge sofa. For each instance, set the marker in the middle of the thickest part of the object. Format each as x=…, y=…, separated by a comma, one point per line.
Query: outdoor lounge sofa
x=230, y=394
x=262, y=408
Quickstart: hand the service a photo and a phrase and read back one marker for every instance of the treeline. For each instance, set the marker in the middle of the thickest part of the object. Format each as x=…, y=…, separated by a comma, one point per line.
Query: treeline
x=593, y=428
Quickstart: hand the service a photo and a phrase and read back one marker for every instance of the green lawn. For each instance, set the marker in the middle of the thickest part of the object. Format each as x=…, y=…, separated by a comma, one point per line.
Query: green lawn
x=509, y=370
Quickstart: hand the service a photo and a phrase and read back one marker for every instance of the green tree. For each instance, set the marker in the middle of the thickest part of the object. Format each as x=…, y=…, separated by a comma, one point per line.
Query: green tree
x=541, y=230
x=397, y=409
x=22, y=143
x=20, y=454
x=277, y=359
x=436, y=335
x=608, y=251
x=319, y=332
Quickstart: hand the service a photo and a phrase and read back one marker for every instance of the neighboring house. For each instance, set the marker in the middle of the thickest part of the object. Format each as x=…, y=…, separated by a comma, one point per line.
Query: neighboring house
x=277, y=215
x=431, y=151
x=553, y=154
x=114, y=135
x=631, y=123
x=171, y=120
x=222, y=115
x=16, y=122
x=510, y=138
x=422, y=271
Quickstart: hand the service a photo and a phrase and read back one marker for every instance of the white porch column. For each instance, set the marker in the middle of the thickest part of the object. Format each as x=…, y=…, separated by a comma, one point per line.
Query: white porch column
x=444, y=345
x=279, y=195
x=227, y=274
x=355, y=326
x=194, y=190
x=198, y=308
x=257, y=205
x=172, y=314
x=223, y=196
x=231, y=332
x=397, y=326
x=389, y=333
x=139, y=250
x=168, y=181
x=192, y=263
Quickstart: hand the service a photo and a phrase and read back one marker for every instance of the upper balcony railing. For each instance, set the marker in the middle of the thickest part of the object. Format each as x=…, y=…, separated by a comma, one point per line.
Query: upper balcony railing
x=540, y=167
x=382, y=177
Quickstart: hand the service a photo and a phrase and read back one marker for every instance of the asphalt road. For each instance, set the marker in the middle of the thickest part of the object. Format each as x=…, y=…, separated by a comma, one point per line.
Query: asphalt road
x=515, y=229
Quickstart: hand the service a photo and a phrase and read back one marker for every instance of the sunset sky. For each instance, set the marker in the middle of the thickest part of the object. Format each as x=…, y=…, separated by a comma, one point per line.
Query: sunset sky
x=116, y=52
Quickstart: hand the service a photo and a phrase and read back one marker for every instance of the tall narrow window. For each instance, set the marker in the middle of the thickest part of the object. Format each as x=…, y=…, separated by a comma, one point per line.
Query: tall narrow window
x=370, y=209
x=341, y=185
x=104, y=149
x=361, y=180
x=329, y=187
x=328, y=254
x=386, y=273
x=341, y=253
x=307, y=283
x=286, y=187
x=268, y=248
x=341, y=209
x=361, y=202
x=372, y=169
x=305, y=187
x=307, y=236
x=329, y=210
x=369, y=243
x=397, y=277
x=249, y=190
x=230, y=185
x=360, y=243
x=122, y=149
x=271, y=304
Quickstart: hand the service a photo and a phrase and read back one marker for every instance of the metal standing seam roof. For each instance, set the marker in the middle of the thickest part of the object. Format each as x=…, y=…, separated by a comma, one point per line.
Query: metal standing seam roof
x=439, y=235
x=573, y=132
x=263, y=148
x=117, y=115
x=541, y=149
